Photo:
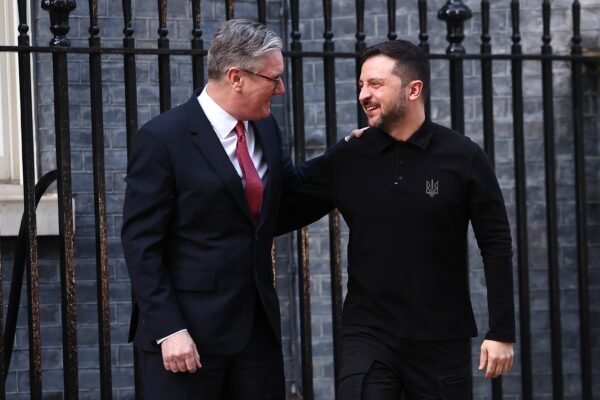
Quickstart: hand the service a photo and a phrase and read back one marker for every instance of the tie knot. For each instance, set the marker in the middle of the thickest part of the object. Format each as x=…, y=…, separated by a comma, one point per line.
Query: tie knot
x=240, y=129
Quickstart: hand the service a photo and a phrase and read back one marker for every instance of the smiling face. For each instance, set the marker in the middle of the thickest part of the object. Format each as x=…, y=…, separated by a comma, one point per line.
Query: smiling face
x=258, y=90
x=383, y=95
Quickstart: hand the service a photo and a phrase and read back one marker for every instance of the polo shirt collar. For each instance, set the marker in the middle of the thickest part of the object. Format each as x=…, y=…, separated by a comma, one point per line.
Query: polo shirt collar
x=421, y=138
x=423, y=135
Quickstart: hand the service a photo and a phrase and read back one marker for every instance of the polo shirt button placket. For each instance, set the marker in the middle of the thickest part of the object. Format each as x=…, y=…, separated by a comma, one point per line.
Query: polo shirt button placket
x=399, y=177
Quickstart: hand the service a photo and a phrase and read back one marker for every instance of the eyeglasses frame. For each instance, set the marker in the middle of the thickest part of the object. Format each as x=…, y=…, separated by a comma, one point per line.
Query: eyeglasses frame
x=275, y=80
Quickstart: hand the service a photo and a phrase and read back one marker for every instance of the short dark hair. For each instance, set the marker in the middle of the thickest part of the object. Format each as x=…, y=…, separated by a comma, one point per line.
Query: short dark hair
x=412, y=62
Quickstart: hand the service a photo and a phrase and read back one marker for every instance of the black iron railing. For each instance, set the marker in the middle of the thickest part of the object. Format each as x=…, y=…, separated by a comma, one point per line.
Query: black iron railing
x=454, y=14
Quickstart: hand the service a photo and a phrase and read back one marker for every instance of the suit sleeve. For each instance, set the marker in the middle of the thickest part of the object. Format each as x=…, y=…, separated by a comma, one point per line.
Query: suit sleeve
x=492, y=231
x=149, y=201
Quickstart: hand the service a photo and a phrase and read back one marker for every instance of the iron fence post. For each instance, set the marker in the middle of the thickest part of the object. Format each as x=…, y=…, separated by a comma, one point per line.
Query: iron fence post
x=581, y=208
x=455, y=13
x=59, y=11
x=304, y=289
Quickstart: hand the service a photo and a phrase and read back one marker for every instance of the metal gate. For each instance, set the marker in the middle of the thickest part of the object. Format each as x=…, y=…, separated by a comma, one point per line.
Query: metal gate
x=454, y=14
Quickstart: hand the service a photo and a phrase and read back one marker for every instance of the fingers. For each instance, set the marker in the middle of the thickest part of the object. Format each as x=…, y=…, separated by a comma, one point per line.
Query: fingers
x=357, y=133
x=179, y=354
x=482, y=358
x=497, y=356
x=190, y=364
x=197, y=360
x=495, y=370
x=180, y=363
x=187, y=362
x=179, y=366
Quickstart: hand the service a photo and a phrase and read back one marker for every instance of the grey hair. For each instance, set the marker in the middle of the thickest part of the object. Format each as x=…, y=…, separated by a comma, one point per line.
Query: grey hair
x=240, y=43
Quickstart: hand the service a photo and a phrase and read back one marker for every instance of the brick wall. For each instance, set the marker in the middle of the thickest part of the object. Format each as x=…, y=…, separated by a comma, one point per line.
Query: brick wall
x=146, y=25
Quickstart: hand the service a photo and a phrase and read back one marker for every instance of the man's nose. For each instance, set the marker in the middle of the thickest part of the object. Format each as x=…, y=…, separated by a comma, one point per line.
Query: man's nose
x=280, y=88
x=363, y=94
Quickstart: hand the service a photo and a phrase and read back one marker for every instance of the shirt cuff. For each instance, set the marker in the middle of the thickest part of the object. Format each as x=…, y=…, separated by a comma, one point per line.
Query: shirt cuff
x=159, y=341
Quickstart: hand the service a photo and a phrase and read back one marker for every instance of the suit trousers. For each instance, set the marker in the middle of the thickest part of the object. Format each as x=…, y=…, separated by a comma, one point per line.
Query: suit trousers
x=254, y=373
x=381, y=368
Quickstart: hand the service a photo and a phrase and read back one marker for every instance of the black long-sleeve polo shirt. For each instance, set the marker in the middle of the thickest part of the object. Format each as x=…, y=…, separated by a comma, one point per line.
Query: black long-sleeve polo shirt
x=408, y=206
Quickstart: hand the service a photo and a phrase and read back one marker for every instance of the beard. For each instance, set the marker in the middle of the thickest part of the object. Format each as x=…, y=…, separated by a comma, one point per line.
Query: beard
x=388, y=118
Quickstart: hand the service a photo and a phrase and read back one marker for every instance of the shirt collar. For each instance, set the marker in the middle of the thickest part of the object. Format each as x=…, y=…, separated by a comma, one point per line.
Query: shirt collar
x=222, y=122
x=421, y=138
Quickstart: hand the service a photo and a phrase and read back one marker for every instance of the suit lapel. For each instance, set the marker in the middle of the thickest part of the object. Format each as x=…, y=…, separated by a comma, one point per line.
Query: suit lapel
x=205, y=138
x=263, y=135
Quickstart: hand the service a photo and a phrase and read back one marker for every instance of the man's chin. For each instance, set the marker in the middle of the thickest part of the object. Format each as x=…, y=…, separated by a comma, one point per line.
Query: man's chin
x=372, y=122
x=263, y=115
x=375, y=123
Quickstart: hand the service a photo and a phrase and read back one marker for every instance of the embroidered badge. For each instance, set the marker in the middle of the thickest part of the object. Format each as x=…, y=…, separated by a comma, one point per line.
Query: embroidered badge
x=431, y=188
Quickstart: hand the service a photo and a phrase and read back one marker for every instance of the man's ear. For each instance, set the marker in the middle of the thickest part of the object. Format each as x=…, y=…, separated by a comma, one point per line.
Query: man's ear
x=415, y=90
x=234, y=77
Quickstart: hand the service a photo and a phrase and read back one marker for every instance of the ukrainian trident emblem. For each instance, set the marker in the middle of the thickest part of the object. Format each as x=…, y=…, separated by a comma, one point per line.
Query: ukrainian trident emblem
x=431, y=188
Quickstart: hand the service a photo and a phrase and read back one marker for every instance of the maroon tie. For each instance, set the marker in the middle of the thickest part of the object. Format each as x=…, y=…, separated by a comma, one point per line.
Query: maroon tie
x=254, y=186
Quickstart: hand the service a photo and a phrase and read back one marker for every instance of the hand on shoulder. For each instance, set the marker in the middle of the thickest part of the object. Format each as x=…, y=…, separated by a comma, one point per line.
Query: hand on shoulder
x=357, y=133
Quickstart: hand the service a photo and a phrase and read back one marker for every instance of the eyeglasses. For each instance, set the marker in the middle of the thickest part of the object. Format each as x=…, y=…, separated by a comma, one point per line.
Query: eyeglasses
x=276, y=81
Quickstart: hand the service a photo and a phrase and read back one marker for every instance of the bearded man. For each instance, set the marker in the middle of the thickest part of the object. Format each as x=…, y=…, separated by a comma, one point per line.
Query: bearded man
x=407, y=190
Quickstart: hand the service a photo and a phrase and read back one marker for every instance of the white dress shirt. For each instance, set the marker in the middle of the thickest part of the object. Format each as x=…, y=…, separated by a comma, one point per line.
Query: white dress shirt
x=224, y=126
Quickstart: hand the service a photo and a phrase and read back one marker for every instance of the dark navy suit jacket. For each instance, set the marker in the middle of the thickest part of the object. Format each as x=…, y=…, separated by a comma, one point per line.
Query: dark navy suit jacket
x=195, y=257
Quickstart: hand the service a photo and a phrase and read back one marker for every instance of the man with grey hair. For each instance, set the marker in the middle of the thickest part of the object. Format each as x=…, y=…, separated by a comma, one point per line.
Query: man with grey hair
x=204, y=185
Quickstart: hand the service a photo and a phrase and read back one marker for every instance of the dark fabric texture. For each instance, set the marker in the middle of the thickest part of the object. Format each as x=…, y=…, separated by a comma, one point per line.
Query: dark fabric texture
x=408, y=206
x=255, y=373
x=375, y=368
x=195, y=255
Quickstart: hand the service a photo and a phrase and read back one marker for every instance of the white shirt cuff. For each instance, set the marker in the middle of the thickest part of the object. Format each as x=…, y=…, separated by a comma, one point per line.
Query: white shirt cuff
x=159, y=341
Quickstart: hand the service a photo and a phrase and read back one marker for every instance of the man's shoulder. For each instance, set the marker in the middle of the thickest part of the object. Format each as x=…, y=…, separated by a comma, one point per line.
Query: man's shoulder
x=353, y=148
x=453, y=140
x=173, y=120
x=343, y=146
